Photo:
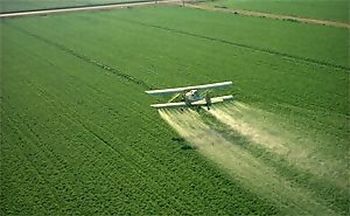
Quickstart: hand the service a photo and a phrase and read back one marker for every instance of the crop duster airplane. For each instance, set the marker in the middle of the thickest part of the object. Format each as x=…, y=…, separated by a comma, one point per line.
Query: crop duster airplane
x=191, y=96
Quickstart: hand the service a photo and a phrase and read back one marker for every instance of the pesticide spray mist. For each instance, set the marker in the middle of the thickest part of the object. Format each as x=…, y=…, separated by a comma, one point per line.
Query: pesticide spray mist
x=241, y=165
x=263, y=129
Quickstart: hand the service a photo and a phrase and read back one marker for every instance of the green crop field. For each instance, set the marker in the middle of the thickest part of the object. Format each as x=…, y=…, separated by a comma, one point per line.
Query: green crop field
x=337, y=10
x=20, y=5
x=78, y=135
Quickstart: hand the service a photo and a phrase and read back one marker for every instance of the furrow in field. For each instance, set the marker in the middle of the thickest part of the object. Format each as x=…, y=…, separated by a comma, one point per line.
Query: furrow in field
x=240, y=45
x=49, y=101
x=126, y=158
x=101, y=93
x=177, y=31
x=22, y=145
x=239, y=163
x=103, y=96
x=63, y=183
x=150, y=161
x=21, y=171
x=127, y=153
x=84, y=58
x=90, y=97
x=37, y=139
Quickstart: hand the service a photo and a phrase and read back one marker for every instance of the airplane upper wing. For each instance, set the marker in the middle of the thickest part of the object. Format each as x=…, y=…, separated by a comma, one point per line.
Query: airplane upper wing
x=181, y=89
x=196, y=103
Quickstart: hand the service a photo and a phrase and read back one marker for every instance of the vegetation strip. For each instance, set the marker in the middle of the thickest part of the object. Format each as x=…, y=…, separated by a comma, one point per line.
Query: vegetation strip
x=245, y=46
x=86, y=59
x=271, y=16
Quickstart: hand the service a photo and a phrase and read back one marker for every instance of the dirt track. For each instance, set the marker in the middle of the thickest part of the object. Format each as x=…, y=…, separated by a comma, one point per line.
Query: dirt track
x=272, y=16
x=84, y=8
x=188, y=4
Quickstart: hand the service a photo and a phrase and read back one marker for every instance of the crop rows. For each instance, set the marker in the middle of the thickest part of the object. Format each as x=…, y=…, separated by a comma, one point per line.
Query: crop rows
x=150, y=176
x=337, y=10
x=79, y=137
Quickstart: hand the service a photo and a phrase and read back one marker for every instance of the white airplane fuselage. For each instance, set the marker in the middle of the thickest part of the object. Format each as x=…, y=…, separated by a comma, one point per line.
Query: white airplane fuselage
x=192, y=96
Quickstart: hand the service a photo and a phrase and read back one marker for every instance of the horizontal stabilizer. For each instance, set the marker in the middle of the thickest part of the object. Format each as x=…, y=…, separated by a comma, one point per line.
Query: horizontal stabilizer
x=187, y=88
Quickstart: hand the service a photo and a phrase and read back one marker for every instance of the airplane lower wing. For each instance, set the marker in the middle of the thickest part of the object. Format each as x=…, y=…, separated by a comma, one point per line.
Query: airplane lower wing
x=182, y=89
x=196, y=103
x=169, y=105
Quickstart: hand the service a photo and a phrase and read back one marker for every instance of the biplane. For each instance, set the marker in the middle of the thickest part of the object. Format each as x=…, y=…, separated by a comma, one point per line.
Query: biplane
x=191, y=96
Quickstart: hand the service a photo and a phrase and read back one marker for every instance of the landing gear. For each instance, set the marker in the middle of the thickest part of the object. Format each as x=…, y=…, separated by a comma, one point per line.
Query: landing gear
x=208, y=100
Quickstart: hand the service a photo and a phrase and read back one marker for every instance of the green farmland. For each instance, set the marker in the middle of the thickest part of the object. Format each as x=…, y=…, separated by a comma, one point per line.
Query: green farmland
x=78, y=135
x=337, y=10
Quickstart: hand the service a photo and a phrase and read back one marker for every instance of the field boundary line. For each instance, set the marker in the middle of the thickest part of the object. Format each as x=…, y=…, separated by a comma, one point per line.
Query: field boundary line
x=84, y=8
x=306, y=60
x=272, y=16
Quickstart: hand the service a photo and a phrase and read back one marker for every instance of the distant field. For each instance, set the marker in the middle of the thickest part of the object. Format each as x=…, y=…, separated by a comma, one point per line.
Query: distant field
x=337, y=10
x=20, y=5
x=79, y=137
